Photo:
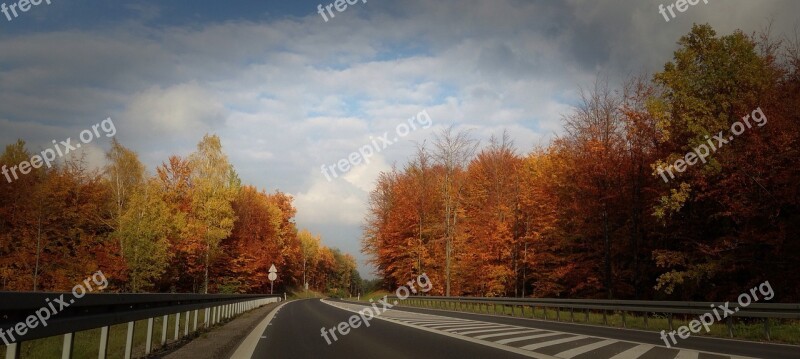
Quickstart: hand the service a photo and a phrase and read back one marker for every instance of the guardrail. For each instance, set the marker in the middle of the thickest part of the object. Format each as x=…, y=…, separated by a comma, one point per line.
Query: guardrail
x=94, y=311
x=765, y=311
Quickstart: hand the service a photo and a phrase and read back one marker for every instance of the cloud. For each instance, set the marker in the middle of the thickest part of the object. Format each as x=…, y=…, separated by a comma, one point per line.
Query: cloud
x=290, y=93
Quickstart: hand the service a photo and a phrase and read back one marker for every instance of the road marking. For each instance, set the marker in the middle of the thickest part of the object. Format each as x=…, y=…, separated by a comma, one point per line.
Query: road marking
x=472, y=326
x=634, y=352
x=587, y=348
x=248, y=346
x=526, y=353
x=553, y=342
x=507, y=333
x=486, y=331
x=453, y=327
x=431, y=323
x=519, y=339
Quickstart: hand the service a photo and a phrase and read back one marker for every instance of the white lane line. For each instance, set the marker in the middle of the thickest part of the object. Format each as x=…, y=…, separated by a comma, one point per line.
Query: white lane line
x=487, y=330
x=248, y=346
x=587, y=348
x=526, y=353
x=507, y=333
x=519, y=339
x=687, y=354
x=553, y=342
x=634, y=352
x=471, y=327
x=428, y=324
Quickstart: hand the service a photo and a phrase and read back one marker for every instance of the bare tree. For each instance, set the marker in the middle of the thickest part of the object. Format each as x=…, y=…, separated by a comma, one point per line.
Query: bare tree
x=452, y=150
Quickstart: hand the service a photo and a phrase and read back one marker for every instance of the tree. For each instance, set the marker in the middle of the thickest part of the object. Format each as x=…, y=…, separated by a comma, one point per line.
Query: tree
x=214, y=186
x=452, y=151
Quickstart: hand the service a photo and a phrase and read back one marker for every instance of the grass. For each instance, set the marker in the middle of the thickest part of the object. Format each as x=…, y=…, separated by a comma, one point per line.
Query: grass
x=86, y=342
x=781, y=331
x=302, y=294
x=375, y=296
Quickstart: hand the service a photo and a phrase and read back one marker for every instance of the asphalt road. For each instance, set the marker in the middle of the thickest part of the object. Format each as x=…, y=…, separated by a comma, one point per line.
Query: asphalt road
x=295, y=333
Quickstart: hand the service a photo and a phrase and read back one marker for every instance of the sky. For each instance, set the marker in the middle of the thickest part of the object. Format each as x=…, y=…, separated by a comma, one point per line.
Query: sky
x=289, y=92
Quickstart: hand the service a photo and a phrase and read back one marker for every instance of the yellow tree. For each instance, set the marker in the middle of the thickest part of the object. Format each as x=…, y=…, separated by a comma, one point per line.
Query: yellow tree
x=214, y=187
x=143, y=231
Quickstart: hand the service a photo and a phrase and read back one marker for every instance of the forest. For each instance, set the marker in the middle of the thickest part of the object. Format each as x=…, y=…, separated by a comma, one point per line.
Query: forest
x=588, y=216
x=190, y=227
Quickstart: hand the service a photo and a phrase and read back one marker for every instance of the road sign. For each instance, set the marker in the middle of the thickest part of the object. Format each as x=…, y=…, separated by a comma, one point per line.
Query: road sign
x=272, y=277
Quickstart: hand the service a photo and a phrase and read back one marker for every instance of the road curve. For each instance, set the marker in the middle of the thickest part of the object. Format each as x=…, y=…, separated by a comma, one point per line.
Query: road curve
x=295, y=332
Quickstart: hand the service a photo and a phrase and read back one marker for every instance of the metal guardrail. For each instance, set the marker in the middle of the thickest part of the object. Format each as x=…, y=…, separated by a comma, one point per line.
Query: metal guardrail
x=765, y=311
x=94, y=311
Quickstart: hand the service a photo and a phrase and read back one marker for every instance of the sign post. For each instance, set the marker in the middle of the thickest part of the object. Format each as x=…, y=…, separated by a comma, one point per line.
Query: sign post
x=272, y=276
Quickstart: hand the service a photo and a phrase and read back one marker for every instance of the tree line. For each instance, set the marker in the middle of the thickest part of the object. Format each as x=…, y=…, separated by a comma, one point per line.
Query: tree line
x=589, y=216
x=191, y=226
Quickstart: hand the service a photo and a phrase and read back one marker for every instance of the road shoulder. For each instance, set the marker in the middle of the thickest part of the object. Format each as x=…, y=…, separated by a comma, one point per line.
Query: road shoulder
x=221, y=342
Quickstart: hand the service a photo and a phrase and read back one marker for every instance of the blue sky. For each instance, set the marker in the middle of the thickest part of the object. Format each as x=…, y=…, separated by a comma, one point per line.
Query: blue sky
x=288, y=92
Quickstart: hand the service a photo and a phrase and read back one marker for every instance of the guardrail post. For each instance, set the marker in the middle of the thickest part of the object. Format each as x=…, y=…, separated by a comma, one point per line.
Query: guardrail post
x=766, y=328
x=129, y=341
x=164, y=330
x=103, y=346
x=586, y=318
x=558, y=314
x=670, y=321
x=605, y=318
x=572, y=314
x=645, y=320
x=148, y=346
x=66, y=349
x=624, y=325
x=730, y=326
x=177, y=325
x=196, y=314
x=12, y=351
x=186, y=325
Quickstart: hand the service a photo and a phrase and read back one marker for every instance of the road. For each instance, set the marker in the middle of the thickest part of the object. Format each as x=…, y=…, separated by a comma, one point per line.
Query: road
x=294, y=330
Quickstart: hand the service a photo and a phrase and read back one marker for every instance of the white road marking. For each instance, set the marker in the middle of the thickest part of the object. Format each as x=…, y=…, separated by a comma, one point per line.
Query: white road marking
x=507, y=333
x=553, y=342
x=248, y=346
x=634, y=352
x=486, y=331
x=526, y=353
x=586, y=348
x=519, y=339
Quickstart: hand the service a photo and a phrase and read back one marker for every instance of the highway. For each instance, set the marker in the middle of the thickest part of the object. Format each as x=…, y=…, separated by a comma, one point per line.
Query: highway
x=294, y=330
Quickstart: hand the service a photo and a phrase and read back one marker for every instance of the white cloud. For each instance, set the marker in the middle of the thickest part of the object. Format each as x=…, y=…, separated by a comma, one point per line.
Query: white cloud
x=292, y=94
